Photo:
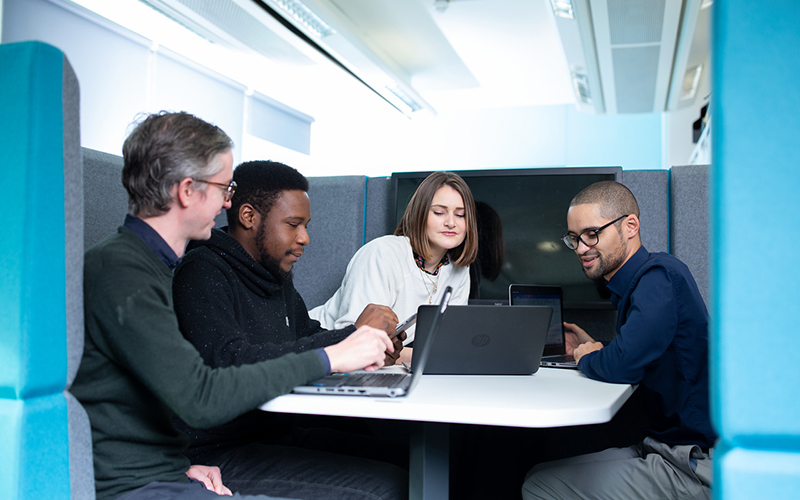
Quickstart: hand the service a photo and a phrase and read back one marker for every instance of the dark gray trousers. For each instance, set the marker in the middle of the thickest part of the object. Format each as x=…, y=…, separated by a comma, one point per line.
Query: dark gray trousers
x=650, y=470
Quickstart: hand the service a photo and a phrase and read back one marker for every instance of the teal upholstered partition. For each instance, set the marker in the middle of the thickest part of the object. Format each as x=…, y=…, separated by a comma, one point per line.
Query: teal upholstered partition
x=40, y=272
x=755, y=290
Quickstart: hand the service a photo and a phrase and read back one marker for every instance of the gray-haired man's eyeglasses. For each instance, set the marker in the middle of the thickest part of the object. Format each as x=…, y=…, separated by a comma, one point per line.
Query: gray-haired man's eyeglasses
x=592, y=236
x=228, y=189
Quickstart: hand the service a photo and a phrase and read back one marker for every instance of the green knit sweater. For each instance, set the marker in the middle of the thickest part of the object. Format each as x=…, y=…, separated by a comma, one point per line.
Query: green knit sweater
x=137, y=369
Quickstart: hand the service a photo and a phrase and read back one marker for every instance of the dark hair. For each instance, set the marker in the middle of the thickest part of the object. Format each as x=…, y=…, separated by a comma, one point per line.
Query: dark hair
x=614, y=199
x=259, y=183
x=491, y=244
x=163, y=149
x=415, y=219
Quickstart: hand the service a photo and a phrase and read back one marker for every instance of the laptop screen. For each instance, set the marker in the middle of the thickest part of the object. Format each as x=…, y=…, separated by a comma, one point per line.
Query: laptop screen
x=531, y=295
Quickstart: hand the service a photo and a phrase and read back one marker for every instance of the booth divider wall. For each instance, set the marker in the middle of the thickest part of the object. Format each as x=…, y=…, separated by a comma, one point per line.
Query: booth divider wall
x=755, y=300
x=45, y=437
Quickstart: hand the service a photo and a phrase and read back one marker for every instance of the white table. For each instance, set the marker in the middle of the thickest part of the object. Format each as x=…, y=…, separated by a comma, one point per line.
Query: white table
x=550, y=398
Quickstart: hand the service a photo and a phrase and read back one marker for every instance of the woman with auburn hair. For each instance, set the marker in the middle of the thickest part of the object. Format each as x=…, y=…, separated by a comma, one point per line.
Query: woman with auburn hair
x=431, y=249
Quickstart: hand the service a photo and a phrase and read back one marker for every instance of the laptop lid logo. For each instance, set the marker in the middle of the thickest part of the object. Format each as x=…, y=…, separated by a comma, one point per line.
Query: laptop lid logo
x=481, y=340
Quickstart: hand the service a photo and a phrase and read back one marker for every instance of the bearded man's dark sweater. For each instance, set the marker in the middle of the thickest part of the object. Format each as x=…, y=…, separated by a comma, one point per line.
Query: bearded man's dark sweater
x=237, y=312
x=137, y=369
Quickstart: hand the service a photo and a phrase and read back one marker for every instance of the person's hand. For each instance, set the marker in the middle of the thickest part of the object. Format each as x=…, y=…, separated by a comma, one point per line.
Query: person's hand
x=380, y=317
x=211, y=478
x=405, y=356
x=365, y=349
x=397, y=342
x=575, y=336
x=586, y=348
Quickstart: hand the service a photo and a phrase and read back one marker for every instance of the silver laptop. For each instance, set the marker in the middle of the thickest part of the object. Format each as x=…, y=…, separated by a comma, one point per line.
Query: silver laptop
x=555, y=348
x=485, y=340
x=381, y=384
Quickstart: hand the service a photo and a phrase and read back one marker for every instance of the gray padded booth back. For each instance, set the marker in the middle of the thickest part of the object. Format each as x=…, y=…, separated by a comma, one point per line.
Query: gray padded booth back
x=380, y=207
x=81, y=467
x=336, y=231
x=650, y=187
x=106, y=199
x=689, y=228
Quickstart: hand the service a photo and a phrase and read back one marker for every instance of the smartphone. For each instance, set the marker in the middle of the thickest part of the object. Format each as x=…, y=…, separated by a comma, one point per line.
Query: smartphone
x=405, y=325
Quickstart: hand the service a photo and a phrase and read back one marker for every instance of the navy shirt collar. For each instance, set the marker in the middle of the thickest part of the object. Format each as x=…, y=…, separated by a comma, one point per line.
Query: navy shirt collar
x=153, y=240
x=621, y=280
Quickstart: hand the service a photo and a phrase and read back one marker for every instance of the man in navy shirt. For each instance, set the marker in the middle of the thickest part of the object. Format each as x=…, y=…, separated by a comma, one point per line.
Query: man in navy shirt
x=661, y=344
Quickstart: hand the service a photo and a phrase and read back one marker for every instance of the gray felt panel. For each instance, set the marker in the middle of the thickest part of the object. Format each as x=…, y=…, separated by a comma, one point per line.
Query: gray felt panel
x=380, y=212
x=73, y=219
x=105, y=200
x=336, y=232
x=81, y=467
x=689, y=228
x=650, y=189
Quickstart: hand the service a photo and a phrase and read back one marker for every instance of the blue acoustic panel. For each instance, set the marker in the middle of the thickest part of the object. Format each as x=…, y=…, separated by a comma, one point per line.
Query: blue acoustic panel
x=35, y=82
x=35, y=447
x=32, y=258
x=749, y=474
x=755, y=300
x=336, y=231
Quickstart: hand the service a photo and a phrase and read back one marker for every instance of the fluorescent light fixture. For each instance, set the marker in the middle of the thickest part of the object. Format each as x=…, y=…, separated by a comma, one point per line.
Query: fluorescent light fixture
x=706, y=4
x=305, y=16
x=691, y=80
x=405, y=98
x=563, y=8
x=580, y=85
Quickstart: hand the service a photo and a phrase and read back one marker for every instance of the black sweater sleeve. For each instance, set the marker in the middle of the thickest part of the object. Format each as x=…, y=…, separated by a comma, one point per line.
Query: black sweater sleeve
x=230, y=323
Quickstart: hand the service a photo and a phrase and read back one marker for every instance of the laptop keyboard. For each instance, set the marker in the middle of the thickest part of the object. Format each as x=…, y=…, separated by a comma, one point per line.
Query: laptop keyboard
x=375, y=379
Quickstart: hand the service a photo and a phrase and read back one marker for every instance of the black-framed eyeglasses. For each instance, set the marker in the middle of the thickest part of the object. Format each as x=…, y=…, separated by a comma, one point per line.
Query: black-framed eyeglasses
x=590, y=237
x=227, y=189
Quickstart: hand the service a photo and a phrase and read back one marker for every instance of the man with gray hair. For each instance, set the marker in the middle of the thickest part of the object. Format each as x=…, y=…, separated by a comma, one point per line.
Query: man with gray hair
x=661, y=344
x=137, y=368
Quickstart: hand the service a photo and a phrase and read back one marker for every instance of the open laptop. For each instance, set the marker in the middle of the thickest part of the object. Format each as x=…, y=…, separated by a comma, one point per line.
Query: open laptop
x=484, y=340
x=382, y=384
x=555, y=348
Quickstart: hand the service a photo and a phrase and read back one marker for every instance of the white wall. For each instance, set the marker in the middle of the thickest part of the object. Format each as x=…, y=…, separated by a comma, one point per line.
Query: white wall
x=354, y=131
x=678, y=126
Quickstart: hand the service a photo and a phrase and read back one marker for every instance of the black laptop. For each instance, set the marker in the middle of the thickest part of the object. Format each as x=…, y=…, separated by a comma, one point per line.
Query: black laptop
x=381, y=383
x=555, y=349
x=484, y=340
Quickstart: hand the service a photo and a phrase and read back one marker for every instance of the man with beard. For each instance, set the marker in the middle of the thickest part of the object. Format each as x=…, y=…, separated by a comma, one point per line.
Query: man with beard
x=137, y=370
x=661, y=344
x=236, y=302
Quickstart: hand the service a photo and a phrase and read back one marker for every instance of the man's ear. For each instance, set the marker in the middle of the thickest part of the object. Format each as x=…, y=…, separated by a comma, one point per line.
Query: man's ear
x=631, y=226
x=186, y=192
x=249, y=217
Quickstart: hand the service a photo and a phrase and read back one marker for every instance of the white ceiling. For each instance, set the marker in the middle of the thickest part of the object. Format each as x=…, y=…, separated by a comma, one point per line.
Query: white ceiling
x=451, y=55
x=471, y=53
x=628, y=55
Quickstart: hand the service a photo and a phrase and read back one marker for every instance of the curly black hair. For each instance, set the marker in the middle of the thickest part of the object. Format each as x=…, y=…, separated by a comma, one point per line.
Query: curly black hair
x=259, y=183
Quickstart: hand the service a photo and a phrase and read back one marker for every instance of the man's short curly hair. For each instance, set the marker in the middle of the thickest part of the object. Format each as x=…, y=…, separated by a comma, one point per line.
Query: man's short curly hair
x=259, y=183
